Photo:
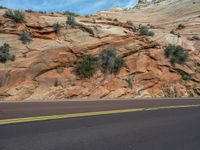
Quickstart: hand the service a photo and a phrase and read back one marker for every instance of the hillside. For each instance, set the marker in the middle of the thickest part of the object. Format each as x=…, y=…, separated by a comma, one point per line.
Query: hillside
x=46, y=66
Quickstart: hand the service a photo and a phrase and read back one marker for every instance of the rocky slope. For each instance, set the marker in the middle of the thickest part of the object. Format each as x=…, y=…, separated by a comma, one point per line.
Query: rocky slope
x=46, y=68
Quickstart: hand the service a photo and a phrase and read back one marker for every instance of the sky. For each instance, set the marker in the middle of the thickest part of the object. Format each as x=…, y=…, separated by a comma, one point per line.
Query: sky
x=81, y=7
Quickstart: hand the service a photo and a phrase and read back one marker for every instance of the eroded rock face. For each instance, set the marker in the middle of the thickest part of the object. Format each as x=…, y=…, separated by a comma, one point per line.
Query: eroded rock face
x=46, y=68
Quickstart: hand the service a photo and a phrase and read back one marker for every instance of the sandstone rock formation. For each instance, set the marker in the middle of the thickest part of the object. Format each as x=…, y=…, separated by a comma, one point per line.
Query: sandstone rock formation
x=46, y=68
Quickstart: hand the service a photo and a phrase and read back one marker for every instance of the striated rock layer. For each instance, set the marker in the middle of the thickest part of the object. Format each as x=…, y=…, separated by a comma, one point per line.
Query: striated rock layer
x=46, y=68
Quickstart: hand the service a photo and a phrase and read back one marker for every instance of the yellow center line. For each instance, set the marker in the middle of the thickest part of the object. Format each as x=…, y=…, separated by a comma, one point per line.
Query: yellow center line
x=87, y=114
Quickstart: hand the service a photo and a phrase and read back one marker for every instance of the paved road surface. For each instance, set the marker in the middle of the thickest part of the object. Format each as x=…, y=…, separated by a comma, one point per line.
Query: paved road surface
x=165, y=129
x=28, y=109
x=176, y=129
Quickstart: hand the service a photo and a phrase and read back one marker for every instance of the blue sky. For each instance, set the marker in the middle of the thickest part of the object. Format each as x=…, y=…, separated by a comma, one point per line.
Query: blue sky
x=78, y=6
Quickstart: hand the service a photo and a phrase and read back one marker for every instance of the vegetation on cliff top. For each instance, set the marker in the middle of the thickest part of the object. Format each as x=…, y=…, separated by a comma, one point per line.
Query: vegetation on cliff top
x=15, y=15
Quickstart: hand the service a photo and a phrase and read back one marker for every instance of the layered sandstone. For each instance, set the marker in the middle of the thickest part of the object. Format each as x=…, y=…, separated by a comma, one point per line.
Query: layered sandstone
x=51, y=58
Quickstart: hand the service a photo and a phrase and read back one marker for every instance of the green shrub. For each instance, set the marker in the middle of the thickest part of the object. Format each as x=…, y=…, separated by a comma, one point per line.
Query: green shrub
x=25, y=37
x=176, y=54
x=115, y=20
x=109, y=19
x=4, y=53
x=145, y=31
x=69, y=13
x=109, y=61
x=87, y=66
x=99, y=18
x=2, y=7
x=71, y=21
x=5, y=48
x=186, y=77
x=29, y=11
x=15, y=15
x=56, y=27
x=151, y=33
x=42, y=12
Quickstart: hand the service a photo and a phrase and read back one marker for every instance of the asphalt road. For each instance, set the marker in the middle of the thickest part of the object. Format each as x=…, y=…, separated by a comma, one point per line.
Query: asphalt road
x=169, y=129
x=29, y=109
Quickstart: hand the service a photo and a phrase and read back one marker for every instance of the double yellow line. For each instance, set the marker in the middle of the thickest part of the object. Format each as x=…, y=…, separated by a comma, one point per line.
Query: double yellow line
x=88, y=114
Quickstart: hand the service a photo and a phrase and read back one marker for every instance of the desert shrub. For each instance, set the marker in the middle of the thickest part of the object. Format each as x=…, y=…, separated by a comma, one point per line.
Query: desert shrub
x=5, y=53
x=109, y=19
x=42, y=12
x=145, y=31
x=29, y=10
x=99, y=18
x=69, y=13
x=71, y=21
x=15, y=15
x=87, y=66
x=151, y=33
x=186, y=77
x=176, y=54
x=115, y=20
x=172, y=32
x=181, y=26
x=5, y=48
x=2, y=7
x=56, y=27
x=130, y=23
x=109, y=61
x=195, y=38
x=25, y=37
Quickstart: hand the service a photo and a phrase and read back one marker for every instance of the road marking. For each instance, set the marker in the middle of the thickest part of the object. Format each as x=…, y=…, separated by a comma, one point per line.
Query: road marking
x=88, y=114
